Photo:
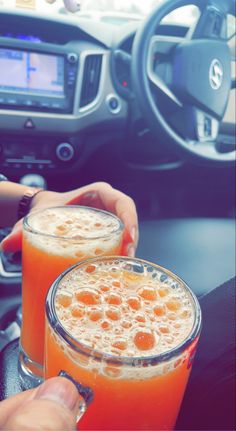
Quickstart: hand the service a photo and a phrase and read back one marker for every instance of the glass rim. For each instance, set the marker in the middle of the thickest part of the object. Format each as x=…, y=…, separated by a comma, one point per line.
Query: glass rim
x=82, y=348
x=30, y=229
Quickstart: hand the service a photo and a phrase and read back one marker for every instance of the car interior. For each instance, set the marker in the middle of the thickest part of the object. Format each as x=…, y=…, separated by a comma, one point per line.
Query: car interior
x=145, y=103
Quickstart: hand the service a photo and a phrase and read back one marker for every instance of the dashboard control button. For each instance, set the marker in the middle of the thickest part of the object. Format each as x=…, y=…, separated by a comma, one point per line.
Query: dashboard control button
x=113, y=103
x=72, y=57
x=29, y=124
x=72, y=72
x=56, y=105
x=28, y=102
x=11, y=101
x=45, y=104
x=65, y=152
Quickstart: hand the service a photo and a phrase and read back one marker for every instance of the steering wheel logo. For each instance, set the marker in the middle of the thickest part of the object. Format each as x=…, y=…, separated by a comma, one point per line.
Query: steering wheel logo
x=216, y=74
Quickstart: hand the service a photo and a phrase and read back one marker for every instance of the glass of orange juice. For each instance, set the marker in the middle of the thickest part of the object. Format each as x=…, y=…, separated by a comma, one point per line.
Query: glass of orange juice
x=53, y=240
x=126, y=330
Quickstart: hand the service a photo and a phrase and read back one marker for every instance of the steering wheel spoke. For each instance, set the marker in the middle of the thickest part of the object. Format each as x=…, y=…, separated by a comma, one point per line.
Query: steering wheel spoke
x=195, y=125
x=200, y=132
x=159, y=64
x=212, y=22
x=206, y=126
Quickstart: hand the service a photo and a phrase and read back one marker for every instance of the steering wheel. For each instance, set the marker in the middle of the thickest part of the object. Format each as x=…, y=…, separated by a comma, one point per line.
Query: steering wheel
x=182, y=84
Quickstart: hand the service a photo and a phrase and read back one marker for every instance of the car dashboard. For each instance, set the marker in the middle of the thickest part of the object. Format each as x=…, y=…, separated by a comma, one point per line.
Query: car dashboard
x=64, y=78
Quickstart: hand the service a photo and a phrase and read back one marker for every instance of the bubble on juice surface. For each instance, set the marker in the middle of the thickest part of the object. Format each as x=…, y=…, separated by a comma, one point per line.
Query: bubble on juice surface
x=74, y=231
x=78, y=310
x=134, y=302
x=95, y=314
x=148, y=293
x=159, y=310
x=127, y=315
x=113, y=298
x=64, y=298
x=145, y=340
x=88, y=296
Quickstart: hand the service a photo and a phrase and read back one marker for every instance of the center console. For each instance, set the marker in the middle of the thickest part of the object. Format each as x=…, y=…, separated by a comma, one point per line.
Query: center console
x=40, y=86
x=55, y=88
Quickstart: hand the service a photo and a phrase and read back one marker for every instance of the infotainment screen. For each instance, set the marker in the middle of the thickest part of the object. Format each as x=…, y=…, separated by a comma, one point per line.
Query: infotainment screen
x=31, y=73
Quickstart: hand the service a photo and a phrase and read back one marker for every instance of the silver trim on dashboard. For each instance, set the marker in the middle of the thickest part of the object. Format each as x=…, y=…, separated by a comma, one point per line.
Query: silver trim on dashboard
x=83, y=57
x=6, y=274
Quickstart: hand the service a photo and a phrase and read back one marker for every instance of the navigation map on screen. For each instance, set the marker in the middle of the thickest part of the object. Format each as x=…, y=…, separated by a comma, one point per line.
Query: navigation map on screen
x=31, y=73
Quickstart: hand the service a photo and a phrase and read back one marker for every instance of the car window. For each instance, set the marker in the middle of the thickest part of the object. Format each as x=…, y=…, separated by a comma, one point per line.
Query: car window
x=135, y=9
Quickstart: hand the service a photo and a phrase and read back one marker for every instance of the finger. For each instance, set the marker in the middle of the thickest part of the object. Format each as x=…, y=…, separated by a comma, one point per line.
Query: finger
x=10, y=405
x=124, y=207
x=103, y=196
x=13, y=241
x=71, y=5
x=54, y=406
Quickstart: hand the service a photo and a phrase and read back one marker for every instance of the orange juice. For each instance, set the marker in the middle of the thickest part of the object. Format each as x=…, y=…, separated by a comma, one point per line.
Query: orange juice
x=127, y=329
x=54, y=239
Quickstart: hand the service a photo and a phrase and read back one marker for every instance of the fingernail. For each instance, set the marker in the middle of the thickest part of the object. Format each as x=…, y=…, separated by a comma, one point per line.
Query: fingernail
x=84, y=391
x=2, y=244
x=133, y=233
x=90, y=195
x=131, y=251
x=4, y=241
x=13, y=232
x=60, y=391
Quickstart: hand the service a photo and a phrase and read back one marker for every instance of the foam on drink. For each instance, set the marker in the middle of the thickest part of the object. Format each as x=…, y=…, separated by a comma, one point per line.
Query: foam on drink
x=90, y=232
x=112, y=309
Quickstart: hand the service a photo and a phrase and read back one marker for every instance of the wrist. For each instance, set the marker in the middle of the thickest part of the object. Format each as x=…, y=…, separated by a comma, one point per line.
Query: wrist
x=44, y=199
x=25, y=202
x=10, y=195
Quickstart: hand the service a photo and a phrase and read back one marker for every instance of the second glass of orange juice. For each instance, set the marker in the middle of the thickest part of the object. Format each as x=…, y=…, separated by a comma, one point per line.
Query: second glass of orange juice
x=53, y=240
x=126, y=330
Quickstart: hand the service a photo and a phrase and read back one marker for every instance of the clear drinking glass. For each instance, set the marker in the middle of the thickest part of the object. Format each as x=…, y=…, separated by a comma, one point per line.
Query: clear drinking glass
x=53, y=240
x=126, y=330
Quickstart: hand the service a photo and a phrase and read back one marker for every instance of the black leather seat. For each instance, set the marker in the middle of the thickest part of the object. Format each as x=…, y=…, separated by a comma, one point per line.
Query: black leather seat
x=200, y=251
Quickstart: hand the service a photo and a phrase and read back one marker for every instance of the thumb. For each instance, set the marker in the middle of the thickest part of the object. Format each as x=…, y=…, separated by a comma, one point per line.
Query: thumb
x=54, y=407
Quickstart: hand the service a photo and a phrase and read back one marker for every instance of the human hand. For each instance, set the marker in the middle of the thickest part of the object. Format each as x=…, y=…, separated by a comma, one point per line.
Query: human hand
x=52, y=406
x=97, y=195
x=70, y=5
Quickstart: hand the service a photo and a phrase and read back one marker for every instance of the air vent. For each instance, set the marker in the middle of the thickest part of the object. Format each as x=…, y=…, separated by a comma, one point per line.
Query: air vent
x=92, y=73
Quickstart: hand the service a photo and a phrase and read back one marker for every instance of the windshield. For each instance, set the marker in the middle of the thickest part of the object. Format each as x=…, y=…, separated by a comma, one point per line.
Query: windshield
x=131, y=9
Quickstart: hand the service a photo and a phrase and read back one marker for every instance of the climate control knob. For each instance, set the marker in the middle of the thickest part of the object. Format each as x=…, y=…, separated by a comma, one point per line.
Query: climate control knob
x=65, y=152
